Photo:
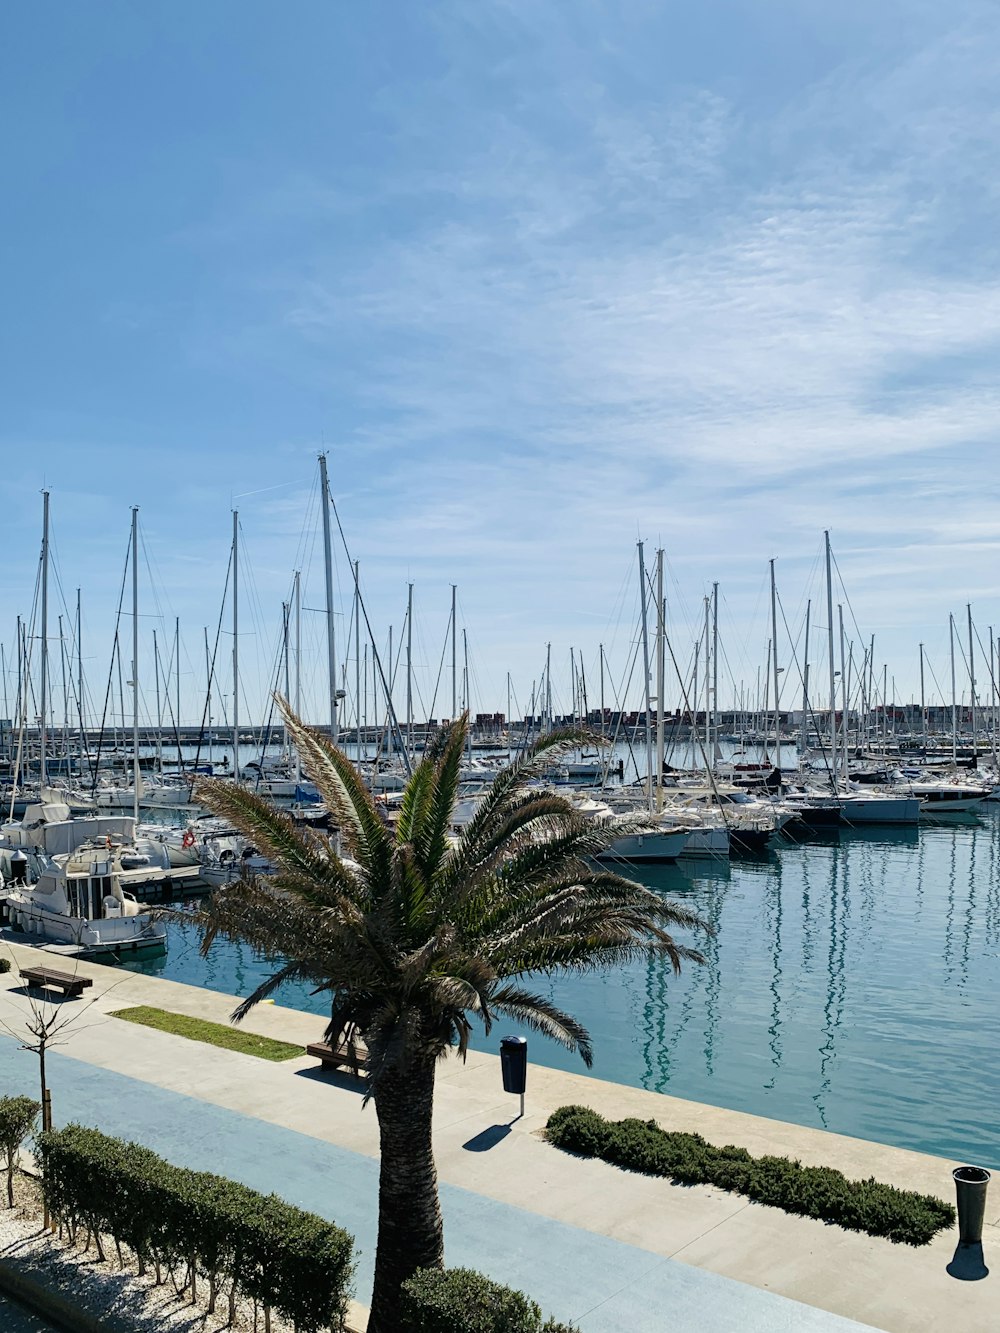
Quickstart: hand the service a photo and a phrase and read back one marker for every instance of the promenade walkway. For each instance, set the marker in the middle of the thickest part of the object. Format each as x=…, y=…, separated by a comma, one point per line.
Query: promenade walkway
x=612, y=1251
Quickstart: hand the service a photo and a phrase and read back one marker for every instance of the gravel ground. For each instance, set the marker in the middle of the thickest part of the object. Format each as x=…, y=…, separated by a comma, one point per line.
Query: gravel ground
x=133, y=1304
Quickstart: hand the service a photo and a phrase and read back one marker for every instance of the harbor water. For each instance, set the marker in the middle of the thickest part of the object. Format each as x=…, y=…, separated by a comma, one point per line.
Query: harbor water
x=850, y=984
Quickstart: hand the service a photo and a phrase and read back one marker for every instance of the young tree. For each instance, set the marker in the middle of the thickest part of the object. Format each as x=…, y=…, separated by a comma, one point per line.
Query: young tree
x=17, y=1117
x=416, y=932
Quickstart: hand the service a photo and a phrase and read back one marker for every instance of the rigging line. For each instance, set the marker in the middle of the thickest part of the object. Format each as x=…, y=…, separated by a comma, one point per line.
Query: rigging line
x=211, y=678
x=114, y=650
x=378, y=662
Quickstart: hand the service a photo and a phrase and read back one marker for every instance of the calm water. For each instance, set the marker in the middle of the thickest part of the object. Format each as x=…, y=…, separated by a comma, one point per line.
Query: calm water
x=851, y=985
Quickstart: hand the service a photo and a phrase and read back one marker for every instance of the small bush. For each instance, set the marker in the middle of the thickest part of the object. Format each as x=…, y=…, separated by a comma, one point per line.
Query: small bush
x=810, y=1191
x=458, y=1300
x=4, y=965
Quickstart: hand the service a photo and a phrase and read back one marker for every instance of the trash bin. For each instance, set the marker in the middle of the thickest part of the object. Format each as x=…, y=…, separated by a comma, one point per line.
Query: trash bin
x=970, y=1186
x=514, y=1064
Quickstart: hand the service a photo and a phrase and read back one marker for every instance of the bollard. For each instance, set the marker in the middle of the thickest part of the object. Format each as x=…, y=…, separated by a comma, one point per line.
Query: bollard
x=970, y=1186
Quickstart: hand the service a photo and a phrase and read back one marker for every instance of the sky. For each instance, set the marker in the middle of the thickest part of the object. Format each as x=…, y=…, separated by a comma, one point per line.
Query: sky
x=543, y=281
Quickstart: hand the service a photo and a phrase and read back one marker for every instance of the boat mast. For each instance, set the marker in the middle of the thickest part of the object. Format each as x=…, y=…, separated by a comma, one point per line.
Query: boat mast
x=409, y=668
x=357, y=662
x=844, y=688
x=972, y=680
x=923, y=710
x=236, y=647
x=331, y=651
x=465, y=691
x=177, y=659
x=208, y=677
x=159, y=709
x=954, y=700
x=454, y=655
x=298, y=662
x=43, y=713
x=708, y=684
x=600, y=653
x=660, y=678
x=833, y=673
x=645, y=670
x=804, y=742
x=135, y=662
x=715, y=667
x=775, y=669
x=65, y=695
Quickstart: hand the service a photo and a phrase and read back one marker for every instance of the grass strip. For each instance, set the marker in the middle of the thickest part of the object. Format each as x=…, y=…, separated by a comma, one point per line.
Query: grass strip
x=809, y=1191
x=213, y=1034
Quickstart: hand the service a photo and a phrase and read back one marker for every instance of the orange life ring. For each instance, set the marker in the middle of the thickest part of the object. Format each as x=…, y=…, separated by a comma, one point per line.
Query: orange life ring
x=188, y=839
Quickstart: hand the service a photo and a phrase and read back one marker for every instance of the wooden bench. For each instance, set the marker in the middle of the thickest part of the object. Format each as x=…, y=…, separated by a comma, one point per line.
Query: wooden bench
x=48, y=976
x=339, y=1057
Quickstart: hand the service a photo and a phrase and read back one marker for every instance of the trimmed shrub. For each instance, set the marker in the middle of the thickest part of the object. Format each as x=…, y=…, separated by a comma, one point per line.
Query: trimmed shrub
x=459, y=1300
x=811, y=1191
x=289, y=1260
x=4, y=965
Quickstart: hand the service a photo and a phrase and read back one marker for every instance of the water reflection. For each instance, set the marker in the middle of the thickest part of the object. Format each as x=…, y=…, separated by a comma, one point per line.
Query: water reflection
x=850, y=983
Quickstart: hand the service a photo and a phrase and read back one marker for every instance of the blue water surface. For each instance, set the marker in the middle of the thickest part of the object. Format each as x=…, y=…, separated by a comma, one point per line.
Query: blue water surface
x=850, y=985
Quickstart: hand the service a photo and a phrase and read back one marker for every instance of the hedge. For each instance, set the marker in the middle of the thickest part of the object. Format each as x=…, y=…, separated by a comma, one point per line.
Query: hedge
x=810, y=1191
x=459, y=1300
x=284, y=1258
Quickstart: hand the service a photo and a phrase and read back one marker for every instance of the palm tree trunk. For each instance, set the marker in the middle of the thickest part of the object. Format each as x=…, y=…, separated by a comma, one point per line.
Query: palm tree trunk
x=410, y=1234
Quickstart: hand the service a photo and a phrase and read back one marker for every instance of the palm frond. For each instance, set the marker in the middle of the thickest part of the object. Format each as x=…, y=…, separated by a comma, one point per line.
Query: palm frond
x=338, y=783
x=541, y=1015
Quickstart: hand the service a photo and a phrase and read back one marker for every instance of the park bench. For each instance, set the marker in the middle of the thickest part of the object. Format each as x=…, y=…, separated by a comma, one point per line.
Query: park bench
x=339, y=1057
x=48, y=976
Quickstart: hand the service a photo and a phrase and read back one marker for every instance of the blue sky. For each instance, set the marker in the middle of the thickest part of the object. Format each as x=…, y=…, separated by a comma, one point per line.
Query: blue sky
x=542, y=278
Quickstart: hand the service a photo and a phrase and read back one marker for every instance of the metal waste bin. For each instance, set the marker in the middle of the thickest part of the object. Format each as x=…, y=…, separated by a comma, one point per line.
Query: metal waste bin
x=970, y=1186
x=514, y=1065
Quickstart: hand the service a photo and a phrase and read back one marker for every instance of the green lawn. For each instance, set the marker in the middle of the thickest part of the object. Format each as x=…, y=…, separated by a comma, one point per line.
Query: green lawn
x=215, y=1034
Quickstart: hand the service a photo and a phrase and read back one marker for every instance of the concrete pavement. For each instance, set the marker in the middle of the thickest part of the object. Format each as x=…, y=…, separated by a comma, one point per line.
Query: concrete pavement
x=611, y=1250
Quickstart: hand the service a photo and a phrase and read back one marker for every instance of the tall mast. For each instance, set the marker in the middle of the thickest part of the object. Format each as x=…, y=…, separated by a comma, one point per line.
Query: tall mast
x=135, y=661
x=660, y=679
x=43, y=714
x=833, y=673
x=208, y=677
x=454, y=657
x=645, y=669
x=923, y=709
x=298, y=662
x=954, y=700
x=409, y=668
x=79, y=665
x=65, y=695
x=548, y=687
x=715, y=665
x=177, y=676
x=844, y=695
x=804, y=742
x=600, y=653
x=708, y=684
x=775, y=670
x=236, y=646
x=972, y=679
x=331, y=647
x=159, y=710
x=465, y=689
x=357, y=662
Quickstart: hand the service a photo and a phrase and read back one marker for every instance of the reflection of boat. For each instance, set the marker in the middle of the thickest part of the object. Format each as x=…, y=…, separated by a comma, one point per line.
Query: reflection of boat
x=78, y=899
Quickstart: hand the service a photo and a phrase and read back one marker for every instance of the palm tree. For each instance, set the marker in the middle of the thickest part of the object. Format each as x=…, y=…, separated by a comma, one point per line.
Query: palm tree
x=414, y=933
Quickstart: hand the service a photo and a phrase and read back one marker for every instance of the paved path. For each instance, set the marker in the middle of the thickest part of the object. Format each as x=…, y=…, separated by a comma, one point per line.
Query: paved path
x=610, y=1250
